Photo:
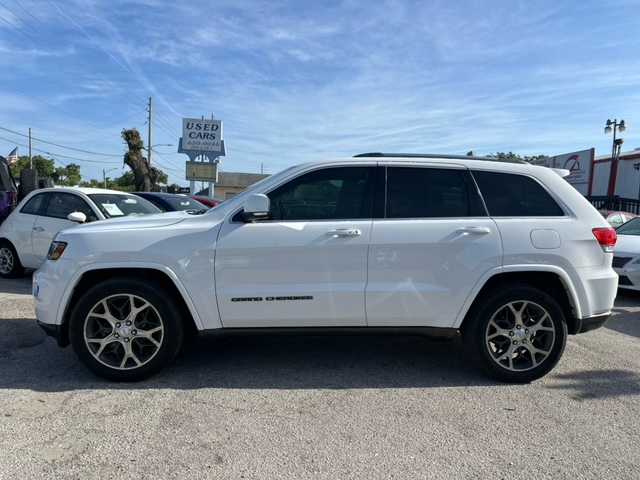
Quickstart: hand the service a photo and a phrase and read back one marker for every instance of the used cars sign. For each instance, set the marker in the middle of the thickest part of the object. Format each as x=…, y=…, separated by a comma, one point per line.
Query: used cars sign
x=200, y=134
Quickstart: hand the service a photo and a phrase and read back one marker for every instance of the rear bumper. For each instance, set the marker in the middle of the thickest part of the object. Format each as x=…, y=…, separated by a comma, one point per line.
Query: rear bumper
x=587, y=324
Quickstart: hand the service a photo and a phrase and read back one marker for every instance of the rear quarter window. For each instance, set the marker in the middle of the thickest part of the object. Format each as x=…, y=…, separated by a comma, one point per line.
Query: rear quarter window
x=513, y=195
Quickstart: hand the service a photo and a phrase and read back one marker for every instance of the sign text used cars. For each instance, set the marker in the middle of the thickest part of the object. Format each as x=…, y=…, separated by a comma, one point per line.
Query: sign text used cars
x=201, y=134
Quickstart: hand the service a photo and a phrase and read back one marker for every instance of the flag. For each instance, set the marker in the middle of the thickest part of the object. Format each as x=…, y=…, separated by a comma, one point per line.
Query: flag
x=13, y=156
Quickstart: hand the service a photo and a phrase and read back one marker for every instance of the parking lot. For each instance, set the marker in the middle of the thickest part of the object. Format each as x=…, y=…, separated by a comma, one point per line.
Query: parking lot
x=321, y=407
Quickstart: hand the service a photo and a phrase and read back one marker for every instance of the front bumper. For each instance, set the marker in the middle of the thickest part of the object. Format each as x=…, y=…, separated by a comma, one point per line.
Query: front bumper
x=51, y=288
x=56, y=331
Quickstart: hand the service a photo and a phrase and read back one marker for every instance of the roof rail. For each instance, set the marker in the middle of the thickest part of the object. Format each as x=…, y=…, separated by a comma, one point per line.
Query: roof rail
x=434, y=155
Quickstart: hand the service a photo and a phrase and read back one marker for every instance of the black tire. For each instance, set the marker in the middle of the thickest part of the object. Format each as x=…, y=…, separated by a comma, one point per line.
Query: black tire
x=28, y=180
x=118, y=345
x=10, y=266
x=517, y=335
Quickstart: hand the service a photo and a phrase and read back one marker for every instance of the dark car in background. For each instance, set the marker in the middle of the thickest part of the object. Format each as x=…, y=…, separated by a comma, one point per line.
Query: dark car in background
x=172, y=202
x=8, y=190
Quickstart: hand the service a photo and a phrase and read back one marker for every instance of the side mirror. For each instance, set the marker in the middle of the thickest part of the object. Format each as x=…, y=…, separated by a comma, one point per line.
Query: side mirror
x=77, y=217
x=256, y=207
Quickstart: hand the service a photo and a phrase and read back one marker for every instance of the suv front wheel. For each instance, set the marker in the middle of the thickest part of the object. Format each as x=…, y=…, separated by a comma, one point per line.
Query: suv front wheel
x=124, y=329
x=517, y=335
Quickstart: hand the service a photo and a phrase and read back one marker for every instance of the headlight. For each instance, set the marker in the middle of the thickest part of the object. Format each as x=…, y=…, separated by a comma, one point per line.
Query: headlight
x=55, y=250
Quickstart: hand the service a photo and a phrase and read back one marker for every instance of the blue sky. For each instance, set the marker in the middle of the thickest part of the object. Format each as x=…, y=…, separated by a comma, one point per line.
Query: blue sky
x=294, y=81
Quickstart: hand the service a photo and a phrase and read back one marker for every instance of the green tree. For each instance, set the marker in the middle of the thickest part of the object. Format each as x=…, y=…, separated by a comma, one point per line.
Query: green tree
x=173, y=188
x=46, y=167
x=69, y=175
x=145, y=177
x=126, y=182
x=511, y=155
x=92, y=183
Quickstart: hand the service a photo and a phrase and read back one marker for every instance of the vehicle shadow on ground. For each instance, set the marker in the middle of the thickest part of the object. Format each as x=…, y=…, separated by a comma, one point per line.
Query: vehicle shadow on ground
x=327, y=362
x=29, y=360
x=593, y=384
x=625, y=324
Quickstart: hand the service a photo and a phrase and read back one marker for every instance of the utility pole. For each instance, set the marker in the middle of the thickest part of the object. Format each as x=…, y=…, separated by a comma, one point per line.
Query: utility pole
x=150, y=127
x=30, y=159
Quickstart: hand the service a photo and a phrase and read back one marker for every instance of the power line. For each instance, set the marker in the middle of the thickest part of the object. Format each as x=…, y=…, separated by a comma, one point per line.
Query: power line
x=106, y=80
x=49, y=105
x=47, y=49
x=98, y=44
x=57, y=145
x=158, y=118
x=58, y=154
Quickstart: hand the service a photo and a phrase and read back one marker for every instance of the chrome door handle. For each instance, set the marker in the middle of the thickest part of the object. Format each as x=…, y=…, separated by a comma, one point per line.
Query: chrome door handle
x=473, y=231
x=345, y=232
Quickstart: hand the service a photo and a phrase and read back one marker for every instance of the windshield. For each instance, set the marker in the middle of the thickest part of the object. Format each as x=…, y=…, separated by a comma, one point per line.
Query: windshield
x=118, y=205
x=632, y=227
x=186, y=203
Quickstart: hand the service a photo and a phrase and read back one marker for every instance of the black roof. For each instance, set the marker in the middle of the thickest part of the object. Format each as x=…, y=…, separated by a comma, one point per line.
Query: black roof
x=435, y=155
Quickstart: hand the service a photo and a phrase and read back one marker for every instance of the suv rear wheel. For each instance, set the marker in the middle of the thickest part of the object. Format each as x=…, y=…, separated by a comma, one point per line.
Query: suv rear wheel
x=517, y=335
x=126, y=330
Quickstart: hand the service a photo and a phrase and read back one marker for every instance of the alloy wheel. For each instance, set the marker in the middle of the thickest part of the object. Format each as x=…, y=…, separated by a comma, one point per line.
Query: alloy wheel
x=520, y=336
x=123, y=331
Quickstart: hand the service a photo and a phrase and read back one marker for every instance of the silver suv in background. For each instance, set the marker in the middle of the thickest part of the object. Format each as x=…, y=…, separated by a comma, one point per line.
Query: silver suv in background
x=508, y=255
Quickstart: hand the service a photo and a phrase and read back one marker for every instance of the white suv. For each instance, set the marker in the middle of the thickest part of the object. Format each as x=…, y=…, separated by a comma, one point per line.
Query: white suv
x=510, y=255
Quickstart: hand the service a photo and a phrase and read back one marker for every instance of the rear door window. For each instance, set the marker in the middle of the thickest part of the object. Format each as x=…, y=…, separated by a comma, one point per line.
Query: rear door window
x=413, y=192
x=34, y=205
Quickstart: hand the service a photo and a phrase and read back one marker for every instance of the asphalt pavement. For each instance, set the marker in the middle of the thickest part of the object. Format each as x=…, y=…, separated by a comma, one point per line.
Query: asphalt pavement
x=355, y=407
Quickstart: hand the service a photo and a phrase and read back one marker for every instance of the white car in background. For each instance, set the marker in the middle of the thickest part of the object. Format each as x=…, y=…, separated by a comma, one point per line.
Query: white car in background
x=626, y=255
x=27, y=232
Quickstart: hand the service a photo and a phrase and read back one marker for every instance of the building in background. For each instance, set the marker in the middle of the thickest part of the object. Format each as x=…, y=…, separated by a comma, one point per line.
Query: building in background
x=590, y=174
x=580, y=164
x=627, y=181
x=232, y=183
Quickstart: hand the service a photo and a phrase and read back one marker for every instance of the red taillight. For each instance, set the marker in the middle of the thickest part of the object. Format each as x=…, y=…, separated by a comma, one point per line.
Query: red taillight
x=606, y=237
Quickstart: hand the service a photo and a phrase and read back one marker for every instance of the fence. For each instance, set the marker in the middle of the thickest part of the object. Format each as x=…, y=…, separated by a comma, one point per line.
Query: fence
x=614, y=202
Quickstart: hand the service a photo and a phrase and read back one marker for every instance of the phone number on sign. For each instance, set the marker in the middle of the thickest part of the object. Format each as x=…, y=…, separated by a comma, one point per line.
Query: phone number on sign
x=199, y=144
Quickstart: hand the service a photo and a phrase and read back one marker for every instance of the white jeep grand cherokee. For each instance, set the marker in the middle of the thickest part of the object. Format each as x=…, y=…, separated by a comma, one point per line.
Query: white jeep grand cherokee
x=507, y=254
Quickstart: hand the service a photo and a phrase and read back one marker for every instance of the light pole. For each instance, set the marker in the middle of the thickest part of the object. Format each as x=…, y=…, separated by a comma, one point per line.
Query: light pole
x=151, y=147
x=104, y=175
x=615, y=151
